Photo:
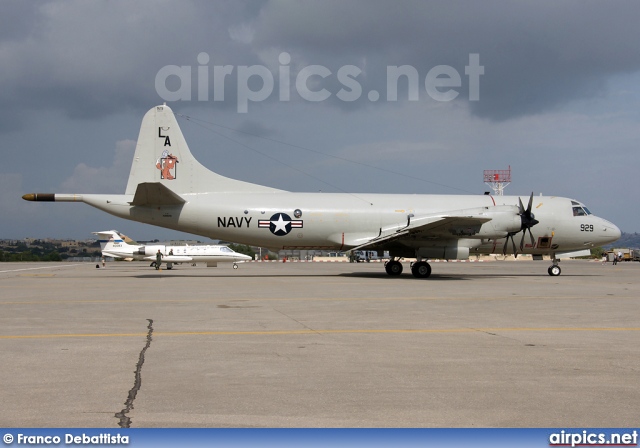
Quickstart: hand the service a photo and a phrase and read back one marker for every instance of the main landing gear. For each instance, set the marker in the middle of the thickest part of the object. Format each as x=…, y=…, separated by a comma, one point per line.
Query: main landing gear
x=419, y=269
x=393, y=267
x=554, y=270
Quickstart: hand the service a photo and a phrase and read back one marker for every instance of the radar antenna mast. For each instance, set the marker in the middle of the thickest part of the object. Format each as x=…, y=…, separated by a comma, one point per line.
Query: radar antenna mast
x=497, y=180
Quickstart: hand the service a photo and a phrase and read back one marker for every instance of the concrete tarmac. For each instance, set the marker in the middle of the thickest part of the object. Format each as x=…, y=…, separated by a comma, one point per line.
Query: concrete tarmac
x=494, y=344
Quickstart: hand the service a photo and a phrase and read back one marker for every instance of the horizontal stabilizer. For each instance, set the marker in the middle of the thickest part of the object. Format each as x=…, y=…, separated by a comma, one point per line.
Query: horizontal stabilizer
x=154, y=193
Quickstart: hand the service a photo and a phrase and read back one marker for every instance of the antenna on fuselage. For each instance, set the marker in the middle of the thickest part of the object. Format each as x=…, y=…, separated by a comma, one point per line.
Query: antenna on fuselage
x=497, y=180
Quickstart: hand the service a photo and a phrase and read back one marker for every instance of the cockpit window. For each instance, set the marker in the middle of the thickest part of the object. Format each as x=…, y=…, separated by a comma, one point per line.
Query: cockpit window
x=225, y=249
x=580, y=211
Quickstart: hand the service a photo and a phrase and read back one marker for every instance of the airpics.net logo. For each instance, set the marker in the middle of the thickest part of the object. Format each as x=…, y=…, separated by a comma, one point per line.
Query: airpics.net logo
x=256, y=83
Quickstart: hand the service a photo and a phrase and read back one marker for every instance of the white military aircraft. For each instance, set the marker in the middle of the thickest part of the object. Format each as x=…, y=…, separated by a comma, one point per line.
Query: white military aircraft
x=169, y=188
x=113, y=245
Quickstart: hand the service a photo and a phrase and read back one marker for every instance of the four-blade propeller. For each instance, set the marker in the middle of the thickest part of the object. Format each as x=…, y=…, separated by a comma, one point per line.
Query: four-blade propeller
x=528, y=220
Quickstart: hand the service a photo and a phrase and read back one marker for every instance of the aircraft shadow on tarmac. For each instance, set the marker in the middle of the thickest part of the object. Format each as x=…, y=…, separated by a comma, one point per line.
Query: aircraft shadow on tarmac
x=437, y=277
x=370, y=275
x=241, y=276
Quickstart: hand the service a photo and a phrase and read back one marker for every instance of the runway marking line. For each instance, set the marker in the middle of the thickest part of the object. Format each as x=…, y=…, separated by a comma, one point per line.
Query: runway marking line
x=311, y=332
x=37, y=275
x=44, y=267
x=345, y=299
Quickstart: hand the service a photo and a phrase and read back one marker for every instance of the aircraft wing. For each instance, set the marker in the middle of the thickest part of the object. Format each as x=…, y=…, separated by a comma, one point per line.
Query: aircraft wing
x=171, y=258
x=435, y=227
x=155, y=193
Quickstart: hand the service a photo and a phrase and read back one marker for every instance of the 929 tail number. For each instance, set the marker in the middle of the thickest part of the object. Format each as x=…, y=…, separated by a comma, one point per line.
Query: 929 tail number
x=586, y=227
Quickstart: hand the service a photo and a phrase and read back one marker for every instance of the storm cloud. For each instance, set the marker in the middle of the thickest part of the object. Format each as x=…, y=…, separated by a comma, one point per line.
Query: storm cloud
x=558, y=97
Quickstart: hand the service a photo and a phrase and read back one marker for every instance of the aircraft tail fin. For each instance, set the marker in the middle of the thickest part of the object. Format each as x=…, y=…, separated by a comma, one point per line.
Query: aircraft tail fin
x=128, y=240
x=163, y=157
x=107, y=238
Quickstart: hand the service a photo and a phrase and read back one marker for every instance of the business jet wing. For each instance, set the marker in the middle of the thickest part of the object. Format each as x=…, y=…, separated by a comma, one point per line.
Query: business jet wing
x=435, y=227
x=155, y=194
x=171, y=258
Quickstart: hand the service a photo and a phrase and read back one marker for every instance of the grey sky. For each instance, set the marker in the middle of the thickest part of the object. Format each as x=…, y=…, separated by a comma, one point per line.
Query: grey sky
x=559, y=100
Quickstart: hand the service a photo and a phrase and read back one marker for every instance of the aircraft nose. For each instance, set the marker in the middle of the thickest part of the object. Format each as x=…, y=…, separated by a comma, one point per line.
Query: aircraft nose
x=611, y=231
x=616, y=232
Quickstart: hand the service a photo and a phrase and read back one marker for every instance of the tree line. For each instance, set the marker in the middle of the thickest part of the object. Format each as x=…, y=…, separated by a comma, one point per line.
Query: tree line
x=43, y=251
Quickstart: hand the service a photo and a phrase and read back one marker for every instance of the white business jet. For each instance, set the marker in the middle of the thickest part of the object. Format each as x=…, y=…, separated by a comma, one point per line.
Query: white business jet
x=113, y=245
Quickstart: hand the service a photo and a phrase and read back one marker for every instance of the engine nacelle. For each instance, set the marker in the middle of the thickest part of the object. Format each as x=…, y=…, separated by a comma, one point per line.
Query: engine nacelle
x=149, y=250
x=505, y=219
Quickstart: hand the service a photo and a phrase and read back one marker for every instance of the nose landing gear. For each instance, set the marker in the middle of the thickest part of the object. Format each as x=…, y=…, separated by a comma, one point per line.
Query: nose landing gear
x=554, y=270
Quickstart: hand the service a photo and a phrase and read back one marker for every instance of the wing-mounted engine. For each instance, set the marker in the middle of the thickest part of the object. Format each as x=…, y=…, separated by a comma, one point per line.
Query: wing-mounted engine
x=504, y=219
x=477, y=223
